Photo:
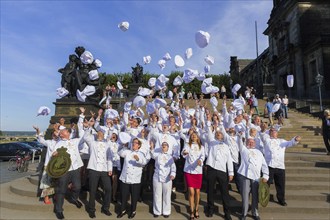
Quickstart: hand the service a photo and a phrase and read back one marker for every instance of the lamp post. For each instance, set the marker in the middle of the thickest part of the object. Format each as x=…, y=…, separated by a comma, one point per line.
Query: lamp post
x=319, y=80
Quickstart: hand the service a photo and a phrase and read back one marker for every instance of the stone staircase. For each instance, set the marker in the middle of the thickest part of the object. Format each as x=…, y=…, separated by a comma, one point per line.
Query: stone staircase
x=307, y=187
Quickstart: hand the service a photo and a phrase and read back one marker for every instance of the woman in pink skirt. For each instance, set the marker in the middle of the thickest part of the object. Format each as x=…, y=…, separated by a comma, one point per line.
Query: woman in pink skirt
x=194, y=154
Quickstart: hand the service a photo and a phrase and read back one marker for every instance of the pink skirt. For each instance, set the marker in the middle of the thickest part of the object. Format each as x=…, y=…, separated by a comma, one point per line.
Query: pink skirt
x=194, y=180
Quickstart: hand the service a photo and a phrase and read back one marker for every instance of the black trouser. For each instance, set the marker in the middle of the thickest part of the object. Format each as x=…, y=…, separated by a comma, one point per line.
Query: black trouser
x=214, y=175
x=72, y=176
x=236, y=177
x=94, y=177
x=326, y=139
x=126, y=190
x=278, y=176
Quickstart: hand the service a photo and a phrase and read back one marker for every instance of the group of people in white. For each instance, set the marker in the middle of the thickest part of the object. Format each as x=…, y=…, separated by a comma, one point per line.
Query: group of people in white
x=221, y=144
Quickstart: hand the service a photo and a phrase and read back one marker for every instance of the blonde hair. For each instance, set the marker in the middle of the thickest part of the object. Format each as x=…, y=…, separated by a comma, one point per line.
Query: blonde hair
x=327, y=112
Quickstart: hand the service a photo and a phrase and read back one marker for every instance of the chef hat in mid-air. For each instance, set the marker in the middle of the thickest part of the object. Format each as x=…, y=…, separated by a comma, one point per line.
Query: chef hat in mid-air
x=167, y=57
x=235, y=88
x=62, y=92
x=111, y=114
x=207, y=81
x=170, y=94
x=88, y=91
x=87, y=57
x=209, y=60
x=97, y=63
x=202, y=38
x=93, y=75
x=144, y=91
x=150, y=108
x=124, y=137
x=119, y=85
x=147, y=59
x=139, y=101
x=290, y=80
x=162, y=64
x=214, y=101
x=123, y=25
x=177, y=81
x=207, y=68
x=127, y=106
x=189, y=75
x=238, y=104
x=43, y=110
x=189, y=53
x=163, y=114
x=201, y=76
x=152, y=82
x=178, y=61
x=160, y=102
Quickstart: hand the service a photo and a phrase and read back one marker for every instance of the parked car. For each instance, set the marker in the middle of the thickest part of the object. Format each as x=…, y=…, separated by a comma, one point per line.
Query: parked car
x=34, y=144
x=9, y=150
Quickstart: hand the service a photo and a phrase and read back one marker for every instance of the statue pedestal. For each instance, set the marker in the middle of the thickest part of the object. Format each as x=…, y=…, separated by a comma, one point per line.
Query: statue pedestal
x=68, y=108
x=268, y=90
x=133, y=89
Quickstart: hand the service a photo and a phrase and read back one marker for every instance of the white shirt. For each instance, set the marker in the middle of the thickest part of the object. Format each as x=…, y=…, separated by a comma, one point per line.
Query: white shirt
x=132, y=169
x=218, y=157
x=164, y=167
x=50, y=144
x=194, y=154
x=252, y=163
x=274, y=150
x=100, y=154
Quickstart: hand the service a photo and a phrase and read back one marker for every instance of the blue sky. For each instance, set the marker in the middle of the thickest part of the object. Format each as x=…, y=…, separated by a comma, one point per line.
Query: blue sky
x=38, y=36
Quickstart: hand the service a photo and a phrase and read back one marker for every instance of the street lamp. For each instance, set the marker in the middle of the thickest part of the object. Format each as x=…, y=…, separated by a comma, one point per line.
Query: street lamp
x=319, y=79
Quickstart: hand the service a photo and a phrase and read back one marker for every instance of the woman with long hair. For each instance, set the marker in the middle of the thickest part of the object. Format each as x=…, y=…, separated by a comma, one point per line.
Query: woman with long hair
x=194, y=154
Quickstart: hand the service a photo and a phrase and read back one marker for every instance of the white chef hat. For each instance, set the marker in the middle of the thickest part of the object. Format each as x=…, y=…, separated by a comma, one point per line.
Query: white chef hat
x=178, y=61
x=214, y=89
x=276, y=107
x=206, y=89
x=111, y=114
x=119, y=85
x=43, y=110
x=189, y=75
x=150, y=108
x=89, y=90
x=62, y=92
x=167, y=57
x=147, y=59
x=124, y=137
x=161, y=64
x=87, y=57
x=160, y=102
x=238, y=104
x=62, y=127
x=191, y=111
x=235, y=88
x=189, y=53
x=177, y=81
x=170, y=94
x=93, y=74
x=290, y=81
x=202, y=38
x=152, y=82
x=139, y=101
x=209, y=60
x=81, y=96
x=207, y=68
x=201, y=76
x=214, y=101
x=207, y=81
x=123, y=25
x=163, y=79
x=98, y=63
x=163, y=114
x=127, y=106
x=144, y=91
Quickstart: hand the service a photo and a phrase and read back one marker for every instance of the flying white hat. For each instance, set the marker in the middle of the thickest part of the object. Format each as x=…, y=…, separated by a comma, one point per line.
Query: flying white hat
x=124, y=137
x=201, y=76
x=235, y=88
x=207, y=69
x=167, y=57
x=214, y=89
x=97, y=63
x=202, y=38
x=209, y=60
x=144, y=91
x=88, y=91
x=189, y=53
x=93, y=75
x=152, y=82
x=191, y=111
x=127, y=106
x=111, y=114
x=161, y=64
x=238, y=104
x=189, y=75
x=177, y=81
x=207, y=81
x=163, y=114
x=290, y=81
x=150, y=108
x=276, y=107
x=214, y=101
x=87, y=57
x=123, y=25
x=170, y=94
x=160, y=102
x=62, y=92
x=139, y=101
x=178, y=61
x=119, y=85
x=43, y=110
x=147, y=59
x=206, y=89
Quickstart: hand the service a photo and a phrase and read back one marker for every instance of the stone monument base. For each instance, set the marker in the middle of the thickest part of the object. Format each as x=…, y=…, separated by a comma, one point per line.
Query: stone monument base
x=68, y=108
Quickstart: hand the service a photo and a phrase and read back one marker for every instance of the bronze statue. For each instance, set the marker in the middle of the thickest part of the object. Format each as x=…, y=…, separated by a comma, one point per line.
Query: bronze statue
x=137, y=73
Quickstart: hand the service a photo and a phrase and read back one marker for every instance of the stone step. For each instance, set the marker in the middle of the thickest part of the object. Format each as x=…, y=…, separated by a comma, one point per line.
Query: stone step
x=307, y=170
x=306, y=149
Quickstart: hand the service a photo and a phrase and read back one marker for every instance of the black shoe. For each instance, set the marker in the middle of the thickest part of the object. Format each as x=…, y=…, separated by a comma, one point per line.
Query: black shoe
x=283, y=203
x=228, y=217
x=156, y=216
x=59, y=215
x=243, y=218
x=106, y=212
x=132, y=215
x=77, y=203
x=166, y=216
x=91, y=214
x=120, y=215
x=256, y=217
